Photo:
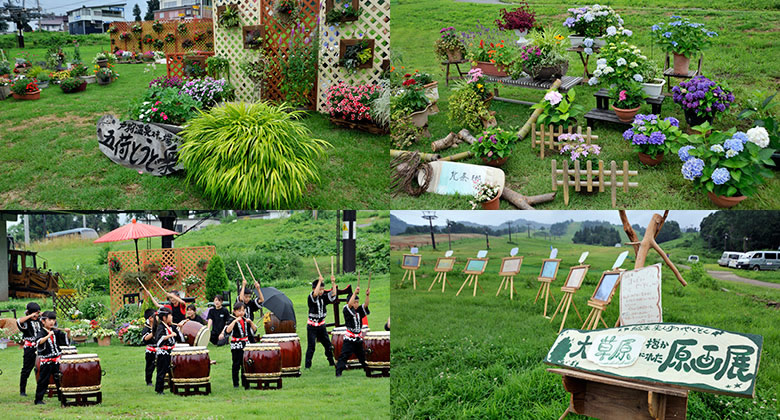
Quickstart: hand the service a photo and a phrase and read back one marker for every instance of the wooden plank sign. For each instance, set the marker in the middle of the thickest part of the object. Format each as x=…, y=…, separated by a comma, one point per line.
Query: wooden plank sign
x=679, y=355
x=460, y=178
x=140, y=146
x=640, y=296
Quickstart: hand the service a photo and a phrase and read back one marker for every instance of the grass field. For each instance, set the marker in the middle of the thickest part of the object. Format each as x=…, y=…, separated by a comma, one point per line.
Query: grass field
x=466, y=357
x=748, y=30
x=52, y=160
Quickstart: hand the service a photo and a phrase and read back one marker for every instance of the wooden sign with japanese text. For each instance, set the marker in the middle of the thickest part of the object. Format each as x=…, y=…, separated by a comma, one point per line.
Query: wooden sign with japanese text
x=640, y=296
x=136, y=145
x=461, y=178
x=685, y=356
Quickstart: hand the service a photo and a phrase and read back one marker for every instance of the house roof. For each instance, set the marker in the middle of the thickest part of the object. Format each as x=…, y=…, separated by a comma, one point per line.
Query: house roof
x=97, y=7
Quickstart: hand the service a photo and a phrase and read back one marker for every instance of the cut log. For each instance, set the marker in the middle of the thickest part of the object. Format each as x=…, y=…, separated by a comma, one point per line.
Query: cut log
x=429, y=157
x=444, y=143
x=466, y=136
x=525, y=203
x=459, y=156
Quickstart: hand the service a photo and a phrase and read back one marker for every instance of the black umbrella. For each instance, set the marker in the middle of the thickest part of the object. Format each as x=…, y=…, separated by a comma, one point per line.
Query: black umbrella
x=278, y=303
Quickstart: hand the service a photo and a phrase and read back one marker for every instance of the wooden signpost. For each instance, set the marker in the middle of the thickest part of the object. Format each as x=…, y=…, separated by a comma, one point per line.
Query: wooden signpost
x=474, y=268
x=510, y=266
x=570, y=286
x=547, y=276
x=645, y=371
x=410, y=264
x=140, y=146
x=443, y=266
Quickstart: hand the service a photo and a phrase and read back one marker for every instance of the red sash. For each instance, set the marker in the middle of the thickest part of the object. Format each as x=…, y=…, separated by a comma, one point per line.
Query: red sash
x=51, y=360
x=315, y=324
x=234, y=339
x=151, y=348
x=350, y=334
x=28, y=343
x=165, y=347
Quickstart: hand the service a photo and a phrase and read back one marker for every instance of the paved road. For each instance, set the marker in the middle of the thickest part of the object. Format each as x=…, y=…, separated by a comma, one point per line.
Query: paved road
x=729, y=276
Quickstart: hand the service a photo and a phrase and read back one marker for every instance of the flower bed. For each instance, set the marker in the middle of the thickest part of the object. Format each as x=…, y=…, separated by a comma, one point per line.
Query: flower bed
x=350, y=106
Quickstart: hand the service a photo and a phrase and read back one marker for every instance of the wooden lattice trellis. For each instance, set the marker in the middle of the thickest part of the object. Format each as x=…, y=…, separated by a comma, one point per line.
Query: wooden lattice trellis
x=175, y=63
x=194, y=26
x=593, y=178
x=373, y=23
x=547, y=137
x=184, y=259
x=229, y=44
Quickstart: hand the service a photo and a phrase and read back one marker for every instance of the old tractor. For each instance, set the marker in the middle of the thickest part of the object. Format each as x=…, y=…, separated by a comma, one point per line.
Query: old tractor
x=26, y=280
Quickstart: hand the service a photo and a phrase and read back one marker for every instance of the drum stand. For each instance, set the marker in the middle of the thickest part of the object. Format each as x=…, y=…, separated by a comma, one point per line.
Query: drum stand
x=187, y=389
x=471, y=278
x=263, y=383
x=563, y=308
x=378, y=372
x=592, y=321
x=410, y=274
x=544, y=289
x=507, y=282
x=82, y=399
x=440, y=277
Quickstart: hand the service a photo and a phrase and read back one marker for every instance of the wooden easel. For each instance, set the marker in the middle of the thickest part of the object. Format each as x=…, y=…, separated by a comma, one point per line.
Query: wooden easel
x=473, y=275
x=544, y=287
x=409, y=274
x=568, y=294
x=410, y=269
x=508, y=277
x=599, y=306
x=441, y=273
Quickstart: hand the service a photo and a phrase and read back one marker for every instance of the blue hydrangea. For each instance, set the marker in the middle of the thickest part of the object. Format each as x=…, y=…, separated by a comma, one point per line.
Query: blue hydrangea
x=628, y=134
x=712, y=34
x=741, y=136
x=717, y=148
x=674, y=43
x=640, y=139
x=588, y=50
x=674, y=121
x=667, y=34
x=676, y=23
x=593, y=81
x=731, y=153
x=692, y=168
x=656, y=27
x=657, y=138
x=588, y=42
x=734, y=144
x=683, y=153
x=639, y=78
x=720, y=176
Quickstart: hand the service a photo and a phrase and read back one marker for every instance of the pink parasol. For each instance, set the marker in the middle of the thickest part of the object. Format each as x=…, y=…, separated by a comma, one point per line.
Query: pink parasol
x=134, y=231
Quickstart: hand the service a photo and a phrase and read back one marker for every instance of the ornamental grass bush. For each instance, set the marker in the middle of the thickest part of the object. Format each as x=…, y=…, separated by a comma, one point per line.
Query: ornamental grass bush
x=251, y=155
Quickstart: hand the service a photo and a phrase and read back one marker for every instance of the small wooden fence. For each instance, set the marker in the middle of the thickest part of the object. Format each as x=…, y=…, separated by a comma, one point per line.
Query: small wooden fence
x=593, y=179
x=547, y=137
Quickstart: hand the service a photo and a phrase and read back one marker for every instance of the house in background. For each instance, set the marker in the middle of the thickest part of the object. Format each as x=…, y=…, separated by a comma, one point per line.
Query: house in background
x=94, y=19
x=183, y=9
x=54, y=24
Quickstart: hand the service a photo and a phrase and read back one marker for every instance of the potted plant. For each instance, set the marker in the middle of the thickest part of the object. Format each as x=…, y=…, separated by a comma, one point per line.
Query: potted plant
x=702, y=99
x=590, y=22
x=651, y=84
x=620, y=62
x=411, y=100
x=105, y=76
x=341, y=11
x=26, y=90
x=683, y=39
x=124, y=36
x=430, y=86
x=112, y=29
x=137, y=28
x=552, y=62
x=558, y=109
x=349, y=106
x=15, y=339
x=5, y=87
x=103, y=336
x=102, y=59
x=728, y=165
x=73, y=85
x=168, y=274
x=187, y=44
x=191, y=283
x=356, y=56
x=652, y=137
x=467, y=107
x=181, y=28
x=627, y=97
x=157, y=26
x=759, y=106
x=486, y=194
x=195, y=65
x=170, y=38
x=575, y=148
x=489, y=56
x=202, y=264
x=494, y=146
x=43, y=80
x=287, y=10
x=229, y=17
x=80, y=71
x=448, y=47
x=199, y=36
x=520, y=20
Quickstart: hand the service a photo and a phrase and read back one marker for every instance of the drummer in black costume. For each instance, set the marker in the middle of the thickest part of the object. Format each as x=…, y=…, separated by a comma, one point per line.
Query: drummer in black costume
x=165, y=338
x=353, y=339
x=315, y=326
x=49, y=354
x=251, y=306
x=238, y=329
x=29, y=325
x=147, y=335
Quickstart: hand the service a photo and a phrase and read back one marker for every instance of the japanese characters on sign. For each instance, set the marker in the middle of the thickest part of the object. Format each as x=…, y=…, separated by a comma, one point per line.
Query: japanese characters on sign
x=140, y=146
x=462, y=178
x=689, y=356
x=640, y=296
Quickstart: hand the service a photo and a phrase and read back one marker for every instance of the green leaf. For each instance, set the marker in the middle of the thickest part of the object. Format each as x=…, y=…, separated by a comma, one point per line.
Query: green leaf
x=736, y=175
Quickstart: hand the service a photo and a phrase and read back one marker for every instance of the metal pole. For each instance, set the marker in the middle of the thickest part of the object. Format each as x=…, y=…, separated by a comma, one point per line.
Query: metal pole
x=26, y=230
x=350, y=265
x=487, y=240
x=338, y=241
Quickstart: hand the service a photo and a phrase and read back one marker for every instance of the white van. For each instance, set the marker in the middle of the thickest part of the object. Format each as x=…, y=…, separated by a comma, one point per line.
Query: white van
x=760, y=260
x=729, y=256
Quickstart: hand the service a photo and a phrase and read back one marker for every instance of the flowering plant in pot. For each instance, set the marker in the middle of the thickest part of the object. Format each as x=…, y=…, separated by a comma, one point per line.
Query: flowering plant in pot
x=702, y=99
x=105, y=75
x=494, y=145
x=342, y=11
x=759, y=107
x=682, y=38
x=486, y=194
x=148, y=40
x=168, y=274
x=182, y=28
x=521, y=20
x=158, y=44
x=209, y=91
x=481, y=49
x=103, y=59
x=157, y=26
x=103, y=335
x=652, y=137
x=590, y=22
x=618, y=62
x=553, y=63
x=136, y=28
x=476, y=82
x=191, y=282
x=169, y=38
x=558, y=109
x=112, y=29
x=728, y=165
x=430, y=86
x=287, y=10
x=527, y=57
x=114, y=265
x=467, y=108
x=124, y=36
x=26, y=89
x=627, y=97
x=351, y=103
x=73, y=85
x=411, y=100
x=449, y=47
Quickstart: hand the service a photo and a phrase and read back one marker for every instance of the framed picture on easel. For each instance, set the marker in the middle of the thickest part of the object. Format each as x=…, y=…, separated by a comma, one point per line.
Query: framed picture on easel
x=510, y=266
x=411, y=262
x=606, y=288
x=575, y=278
x=475, y=266
x=444, y=264
x=549, y=269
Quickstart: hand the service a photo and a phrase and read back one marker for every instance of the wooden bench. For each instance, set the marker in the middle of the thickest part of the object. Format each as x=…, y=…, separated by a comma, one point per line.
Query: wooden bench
x=603, y=112
x=567, y=82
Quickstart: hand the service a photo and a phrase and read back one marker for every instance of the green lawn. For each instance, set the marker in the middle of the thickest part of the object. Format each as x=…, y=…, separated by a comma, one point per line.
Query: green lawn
x=125, y=393
x=466, y=357
x=745, y=34
x=52, y=161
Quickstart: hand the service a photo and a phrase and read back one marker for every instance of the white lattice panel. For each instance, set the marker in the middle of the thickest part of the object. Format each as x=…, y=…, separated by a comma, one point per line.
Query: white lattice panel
x=229, y=43
x=373, y=23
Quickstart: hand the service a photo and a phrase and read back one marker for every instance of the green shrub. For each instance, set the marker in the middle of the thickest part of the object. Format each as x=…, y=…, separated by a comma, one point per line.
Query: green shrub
x=467, y=109
x=373, y=253
x=698, y=275
x=92, y=307
x=163, y=105
x=103, y=254
x=216, y=279
x=268, y=267
x=251, y=155
x=127, y=313
x=71, y=84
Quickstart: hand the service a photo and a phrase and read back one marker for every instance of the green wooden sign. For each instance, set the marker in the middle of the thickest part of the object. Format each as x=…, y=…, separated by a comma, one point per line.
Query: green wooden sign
x=686, y=356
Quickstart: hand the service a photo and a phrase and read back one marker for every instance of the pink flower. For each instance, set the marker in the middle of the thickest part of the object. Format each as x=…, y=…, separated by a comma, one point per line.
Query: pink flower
x=554, y=97
x=622, y=95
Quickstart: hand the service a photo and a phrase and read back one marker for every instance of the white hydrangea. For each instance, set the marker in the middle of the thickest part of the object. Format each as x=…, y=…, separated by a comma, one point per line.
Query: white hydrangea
x=758, y=136
x=597, y=73
x=621, y=61
x=608, y=70
x=611, y=31
x=633, y=65
x=601, y=62
x=639, y=78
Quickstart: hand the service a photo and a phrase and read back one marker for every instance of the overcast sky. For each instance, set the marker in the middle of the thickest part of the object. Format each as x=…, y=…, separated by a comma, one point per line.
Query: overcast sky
x=642, y=217
x=59, y=7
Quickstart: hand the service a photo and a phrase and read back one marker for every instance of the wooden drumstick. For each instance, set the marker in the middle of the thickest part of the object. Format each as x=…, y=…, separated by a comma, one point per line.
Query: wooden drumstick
x=162, y=288
x=369, y=281
x=147, y=292
x=240, y=271
x=318, y=267
x=331, y=265
x=250, y=273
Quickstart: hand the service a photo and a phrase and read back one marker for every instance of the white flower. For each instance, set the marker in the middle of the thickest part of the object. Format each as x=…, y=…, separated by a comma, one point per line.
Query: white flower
x=758, y=136
x=633, y=65
x=639, y=78
x=597, y=73
x=731, y=153
x=643, y=57
x=611, y=31
x=621, y=61
x=601, y=62
x=593, y=81
x=608, y=70
x=627, y=32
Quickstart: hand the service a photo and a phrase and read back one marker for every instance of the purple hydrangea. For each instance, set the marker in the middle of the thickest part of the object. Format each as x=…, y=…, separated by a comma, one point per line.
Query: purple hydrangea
x=640, y=138
x=692, y=168
x=628, y=134
x=702, y=95
x=741, y=137
x=734, y=144
x=657, y=137
x=720, y=176
x=683, y=153
x=673, y=121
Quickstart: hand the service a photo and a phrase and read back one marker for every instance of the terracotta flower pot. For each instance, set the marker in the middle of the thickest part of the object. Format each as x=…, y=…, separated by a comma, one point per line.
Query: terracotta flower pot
x=725, y=202
x=625, y=115
x=454, y=55
x=492, y=204
x=650, y=160
x=681, y=64
x=104, y=341
x=33, y=96
x=80, y=339
x=490, y=69
x=498, y=162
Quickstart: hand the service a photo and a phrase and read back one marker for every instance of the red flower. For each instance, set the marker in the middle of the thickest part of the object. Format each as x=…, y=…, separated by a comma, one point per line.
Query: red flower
x=407, y=75
x=409, y=82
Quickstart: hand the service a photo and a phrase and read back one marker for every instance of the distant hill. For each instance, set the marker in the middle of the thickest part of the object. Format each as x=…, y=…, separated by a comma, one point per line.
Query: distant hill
x=397, y=226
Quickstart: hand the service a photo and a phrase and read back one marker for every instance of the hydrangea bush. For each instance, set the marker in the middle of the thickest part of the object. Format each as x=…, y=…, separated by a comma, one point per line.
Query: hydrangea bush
x=728, y=163
x=591, y=21
x=652, y=135
x=577, y=149
x=703, y=97
x=681, y=36
x=558, y=109
x=494, y=143
x=619, y=62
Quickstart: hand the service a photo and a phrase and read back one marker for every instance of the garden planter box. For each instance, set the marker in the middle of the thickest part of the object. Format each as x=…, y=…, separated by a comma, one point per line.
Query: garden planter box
x=654, y=90
x=89, y=79
x=329, y=7
x=253, y=36
x=367, y=126
x=576, y=41
x=103, y=342
x=175, y=129
x=344, y=43
x=34, y=96
x=490, y=69
x=81, y=88
x=551, y=72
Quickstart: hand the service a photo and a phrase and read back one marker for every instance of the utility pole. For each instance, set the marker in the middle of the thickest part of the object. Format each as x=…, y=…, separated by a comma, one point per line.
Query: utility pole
x=348, y=241
x=725, y=240
x=430, y=216
x=487, y=240
x=509, y=225
x=449, y=233
x=528, y=225
x=27, y=231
